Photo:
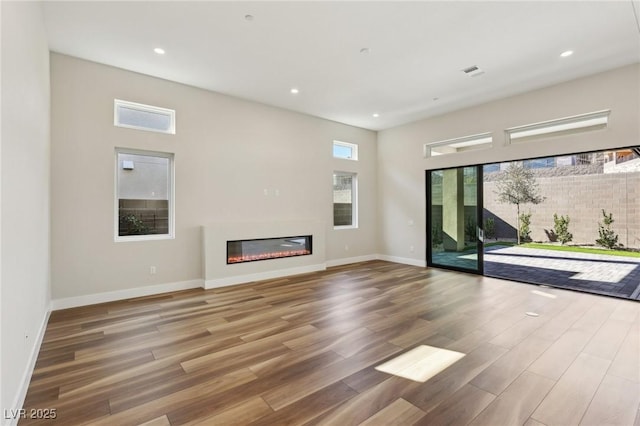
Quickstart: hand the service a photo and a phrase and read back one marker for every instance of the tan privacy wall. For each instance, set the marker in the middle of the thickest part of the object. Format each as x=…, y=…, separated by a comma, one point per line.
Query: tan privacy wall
x=582, y=198
x=402, y=165
x=235, y=161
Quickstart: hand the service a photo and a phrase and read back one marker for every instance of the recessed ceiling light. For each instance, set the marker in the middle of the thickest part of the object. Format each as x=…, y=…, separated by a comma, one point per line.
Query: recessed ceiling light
x=159, y=51
x=566, y=53
x=248, y=17
x=294, y=91
x=376, y=115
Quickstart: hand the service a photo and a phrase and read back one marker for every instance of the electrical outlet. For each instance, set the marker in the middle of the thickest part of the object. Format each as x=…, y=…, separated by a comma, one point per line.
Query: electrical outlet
x=411, y=249
x=152, y=270
x=346, y=247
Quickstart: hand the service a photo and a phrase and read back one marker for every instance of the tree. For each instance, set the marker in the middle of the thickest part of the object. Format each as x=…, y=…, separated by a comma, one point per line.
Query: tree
x=518, y=185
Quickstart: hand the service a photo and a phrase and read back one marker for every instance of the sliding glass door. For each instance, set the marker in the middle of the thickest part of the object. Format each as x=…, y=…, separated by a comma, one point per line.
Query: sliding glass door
x=454, y=219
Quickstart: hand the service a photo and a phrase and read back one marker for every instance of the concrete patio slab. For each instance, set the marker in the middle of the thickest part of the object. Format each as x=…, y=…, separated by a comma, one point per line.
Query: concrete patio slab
x=593, y=273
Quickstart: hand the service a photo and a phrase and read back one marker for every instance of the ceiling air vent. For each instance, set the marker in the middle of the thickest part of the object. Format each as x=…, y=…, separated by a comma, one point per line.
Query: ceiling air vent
x=473, y=71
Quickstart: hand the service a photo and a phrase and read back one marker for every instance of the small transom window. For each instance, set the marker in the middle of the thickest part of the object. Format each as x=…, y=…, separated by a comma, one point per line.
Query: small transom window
x=465, y=143
x=345, y=150
x=144, y=117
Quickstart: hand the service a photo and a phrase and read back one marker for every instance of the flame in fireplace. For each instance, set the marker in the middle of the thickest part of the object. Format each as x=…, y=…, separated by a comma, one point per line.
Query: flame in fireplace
x=270, y=255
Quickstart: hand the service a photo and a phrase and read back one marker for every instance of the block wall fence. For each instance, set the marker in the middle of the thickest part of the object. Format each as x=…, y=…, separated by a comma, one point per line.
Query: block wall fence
x=582, y=197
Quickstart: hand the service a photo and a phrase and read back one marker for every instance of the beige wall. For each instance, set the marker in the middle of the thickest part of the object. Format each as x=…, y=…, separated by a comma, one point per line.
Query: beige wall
x=25, y=294
x=401, y=164
x=227, y=153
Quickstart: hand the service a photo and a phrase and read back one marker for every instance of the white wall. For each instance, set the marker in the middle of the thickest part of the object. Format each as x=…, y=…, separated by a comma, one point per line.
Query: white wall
x=401, y=164
x=25, y=195
x=227, y=153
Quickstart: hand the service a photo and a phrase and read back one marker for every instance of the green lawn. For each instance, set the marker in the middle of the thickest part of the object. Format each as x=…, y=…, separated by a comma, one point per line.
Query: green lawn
x=581, y=249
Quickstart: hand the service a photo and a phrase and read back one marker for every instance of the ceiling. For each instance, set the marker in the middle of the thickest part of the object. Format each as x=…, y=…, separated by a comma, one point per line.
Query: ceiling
x=411, y=70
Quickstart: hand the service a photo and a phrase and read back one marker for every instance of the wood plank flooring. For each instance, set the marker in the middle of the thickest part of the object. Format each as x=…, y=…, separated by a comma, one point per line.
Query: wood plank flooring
x=303, y=351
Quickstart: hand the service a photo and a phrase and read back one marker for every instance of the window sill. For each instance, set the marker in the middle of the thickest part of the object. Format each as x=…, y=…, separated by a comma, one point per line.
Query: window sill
x=133, y=238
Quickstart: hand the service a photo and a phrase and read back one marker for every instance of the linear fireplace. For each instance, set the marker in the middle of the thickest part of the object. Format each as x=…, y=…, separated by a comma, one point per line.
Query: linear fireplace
x=239, y=251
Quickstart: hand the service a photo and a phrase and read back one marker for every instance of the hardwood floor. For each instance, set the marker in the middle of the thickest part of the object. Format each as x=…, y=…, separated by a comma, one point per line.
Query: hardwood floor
x=303, y=350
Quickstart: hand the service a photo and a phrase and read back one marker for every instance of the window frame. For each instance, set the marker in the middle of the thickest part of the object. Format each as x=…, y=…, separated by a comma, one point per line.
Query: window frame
x=458, y=145
x=354, y=200
x=144, y=108
x=591, y=121
x=352, y=146
x=170, y=235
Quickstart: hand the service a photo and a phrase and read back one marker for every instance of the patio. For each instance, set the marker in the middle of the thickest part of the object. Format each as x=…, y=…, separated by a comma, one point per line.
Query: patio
x=593, y=273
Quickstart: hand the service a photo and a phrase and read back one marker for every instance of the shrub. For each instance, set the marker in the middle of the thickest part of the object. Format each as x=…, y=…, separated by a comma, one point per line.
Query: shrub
x=525, y=227
x=133, y=225
x=561, y=228
x=490, y=228
x=436, y=234
x=470, y=229
x=608, y=237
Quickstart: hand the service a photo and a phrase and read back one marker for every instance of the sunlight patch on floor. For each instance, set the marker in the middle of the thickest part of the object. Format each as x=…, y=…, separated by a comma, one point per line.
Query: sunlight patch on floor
x=420, y=363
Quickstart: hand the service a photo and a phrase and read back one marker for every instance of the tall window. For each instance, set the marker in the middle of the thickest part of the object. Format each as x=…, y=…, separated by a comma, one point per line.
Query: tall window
x=345, y=200
x=144, y=195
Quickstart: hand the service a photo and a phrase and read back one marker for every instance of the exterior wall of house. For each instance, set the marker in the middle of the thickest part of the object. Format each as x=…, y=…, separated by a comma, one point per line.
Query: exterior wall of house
x=25, y=248
x=235, y=162
x=402, y=165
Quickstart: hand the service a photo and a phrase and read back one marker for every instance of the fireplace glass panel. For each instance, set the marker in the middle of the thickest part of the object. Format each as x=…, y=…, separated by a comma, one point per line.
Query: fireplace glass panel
x=240, y=251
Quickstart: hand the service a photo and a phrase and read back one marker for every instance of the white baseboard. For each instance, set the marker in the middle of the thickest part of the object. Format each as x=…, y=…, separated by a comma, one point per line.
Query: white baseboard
x=349, y=260
x=92, y=299
x=404, y=260
x=241, y=279
x=18, y=402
